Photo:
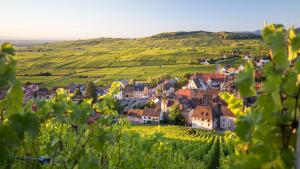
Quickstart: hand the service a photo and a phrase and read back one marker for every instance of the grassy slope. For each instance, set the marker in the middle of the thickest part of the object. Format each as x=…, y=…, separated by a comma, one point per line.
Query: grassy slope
x=108, y=59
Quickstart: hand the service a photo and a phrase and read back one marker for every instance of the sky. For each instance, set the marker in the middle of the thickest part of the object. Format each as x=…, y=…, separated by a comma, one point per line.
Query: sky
x=83, y=19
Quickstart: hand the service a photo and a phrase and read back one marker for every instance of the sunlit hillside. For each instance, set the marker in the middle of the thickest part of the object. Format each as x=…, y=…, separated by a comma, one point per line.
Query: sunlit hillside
x=106, y=59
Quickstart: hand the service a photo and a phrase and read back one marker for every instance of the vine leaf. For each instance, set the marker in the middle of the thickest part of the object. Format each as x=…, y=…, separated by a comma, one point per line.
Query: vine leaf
x=294, y=44
x=246, y=81
x=13, y=100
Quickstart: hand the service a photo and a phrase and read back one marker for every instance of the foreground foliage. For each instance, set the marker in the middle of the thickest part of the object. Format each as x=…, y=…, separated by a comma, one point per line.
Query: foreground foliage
x=61, y=134
x=267, y=131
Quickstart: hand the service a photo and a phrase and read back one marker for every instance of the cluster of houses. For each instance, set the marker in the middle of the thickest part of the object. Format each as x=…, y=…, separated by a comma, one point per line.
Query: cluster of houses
x=198, y=100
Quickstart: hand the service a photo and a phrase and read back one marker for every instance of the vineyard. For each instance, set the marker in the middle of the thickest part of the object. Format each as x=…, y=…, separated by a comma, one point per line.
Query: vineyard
x=105, y=60
x=59, y=133
x=201, y=149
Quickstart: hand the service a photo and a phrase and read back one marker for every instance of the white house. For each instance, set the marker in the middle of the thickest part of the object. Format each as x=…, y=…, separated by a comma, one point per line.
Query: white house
x=222, y=70
x=247, y=58
x=227, y=119
x=196, y=83
x=204, y=117
x=135, y=115
x=204, y=62
x=241, y=68
x=147, y=115
x=119, y=96
x=151, y=115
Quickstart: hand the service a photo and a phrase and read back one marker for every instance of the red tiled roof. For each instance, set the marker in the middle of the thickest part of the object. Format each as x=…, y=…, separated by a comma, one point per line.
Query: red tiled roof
x=184, y=92
x=151, y=112
x=206, y=76
x=231, y=70
x=135, y=112
x=203, y=113
x=226, y=112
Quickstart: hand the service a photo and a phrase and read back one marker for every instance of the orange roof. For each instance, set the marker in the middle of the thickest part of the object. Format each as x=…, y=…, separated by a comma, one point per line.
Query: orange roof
x=203, y=113
x=184, y=92
x=151, y=112
x=226, y=112
x=230, y=70
x=207, y=76
x=135, y=112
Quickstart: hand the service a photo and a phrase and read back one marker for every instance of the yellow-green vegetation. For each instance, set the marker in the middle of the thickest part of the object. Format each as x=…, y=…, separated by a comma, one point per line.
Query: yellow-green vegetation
x=107, y=59
x=55, y=133
x=206, y=149
x=172, y=131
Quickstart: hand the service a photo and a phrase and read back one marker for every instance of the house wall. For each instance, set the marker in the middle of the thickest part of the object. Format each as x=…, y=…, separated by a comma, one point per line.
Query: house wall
x=119, y=96
x=202, y=124
x=191, y=85
x=227, y=123
x=134, y=119
x=148, y=119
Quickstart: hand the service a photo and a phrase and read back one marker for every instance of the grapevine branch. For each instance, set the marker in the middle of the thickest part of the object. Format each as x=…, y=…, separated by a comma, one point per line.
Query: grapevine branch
x=59, y=140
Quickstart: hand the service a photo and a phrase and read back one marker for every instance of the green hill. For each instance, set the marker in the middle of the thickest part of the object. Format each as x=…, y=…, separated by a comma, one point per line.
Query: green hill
x=107, y=59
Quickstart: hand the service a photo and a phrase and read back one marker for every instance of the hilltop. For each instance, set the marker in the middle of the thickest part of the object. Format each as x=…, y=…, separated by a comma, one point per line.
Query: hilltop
x=106, y=59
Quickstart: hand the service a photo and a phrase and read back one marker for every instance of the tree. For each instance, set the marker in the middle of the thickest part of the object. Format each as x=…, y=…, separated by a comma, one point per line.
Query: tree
x=150, y=104
x=176, y=116
x=267, y=131
x=187, y=75
x=90, y=91
x=180, y=83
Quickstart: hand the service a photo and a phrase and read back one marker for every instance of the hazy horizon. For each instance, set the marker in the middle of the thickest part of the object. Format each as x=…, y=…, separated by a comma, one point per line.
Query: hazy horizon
x=72, y=20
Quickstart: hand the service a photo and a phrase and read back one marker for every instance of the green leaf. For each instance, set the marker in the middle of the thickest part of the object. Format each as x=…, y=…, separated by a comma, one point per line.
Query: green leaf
x=59, y=109
x=7, y=48
x=290, y=86
x=246, y=81
x=78, y=115
x=8, y=141
x=31, y=123
x=27, y=122
x=294, y=44
x=274, y=36
x=13, y=100
x=235, y=104
x=244, y=128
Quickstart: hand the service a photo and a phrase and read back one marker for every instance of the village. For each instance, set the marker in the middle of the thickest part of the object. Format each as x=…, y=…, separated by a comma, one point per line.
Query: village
x=193, y=101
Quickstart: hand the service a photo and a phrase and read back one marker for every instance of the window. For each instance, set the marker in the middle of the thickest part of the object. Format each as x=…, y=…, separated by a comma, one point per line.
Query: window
x=223, y=120
x=208, y=124
x=149, y=117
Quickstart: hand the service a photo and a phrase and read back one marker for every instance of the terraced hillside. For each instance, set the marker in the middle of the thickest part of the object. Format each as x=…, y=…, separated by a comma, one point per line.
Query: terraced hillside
x=106, y=59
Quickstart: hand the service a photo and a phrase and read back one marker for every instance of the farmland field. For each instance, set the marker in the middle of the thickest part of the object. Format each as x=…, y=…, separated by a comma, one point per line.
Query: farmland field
x=107, y=59
x=204, y=149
